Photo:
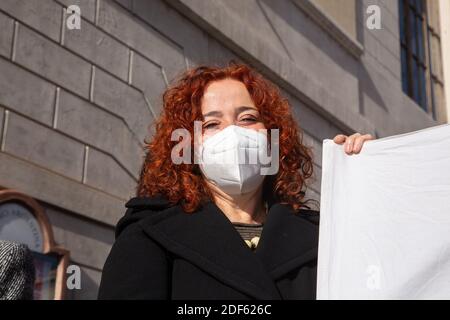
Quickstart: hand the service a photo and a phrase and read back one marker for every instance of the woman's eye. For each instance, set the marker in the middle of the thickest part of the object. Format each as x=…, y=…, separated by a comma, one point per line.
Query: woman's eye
x=249, y=119
x=209, y=125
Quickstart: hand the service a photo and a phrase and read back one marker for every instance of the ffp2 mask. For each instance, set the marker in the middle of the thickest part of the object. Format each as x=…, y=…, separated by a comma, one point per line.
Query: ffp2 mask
x=232, y=159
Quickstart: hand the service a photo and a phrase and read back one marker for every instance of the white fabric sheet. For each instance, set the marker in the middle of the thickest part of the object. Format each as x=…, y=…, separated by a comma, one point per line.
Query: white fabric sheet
x=385, y=218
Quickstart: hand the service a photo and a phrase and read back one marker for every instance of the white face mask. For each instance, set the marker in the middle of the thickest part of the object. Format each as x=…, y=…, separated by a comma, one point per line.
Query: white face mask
x=231, y=159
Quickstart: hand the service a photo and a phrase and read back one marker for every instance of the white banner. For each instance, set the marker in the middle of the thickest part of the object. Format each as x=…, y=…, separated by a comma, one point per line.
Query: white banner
x=385, y=218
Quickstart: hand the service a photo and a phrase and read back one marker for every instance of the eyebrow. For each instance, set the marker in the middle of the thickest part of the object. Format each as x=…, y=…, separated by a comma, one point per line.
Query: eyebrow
x=219, y=114
x=244, y=108
x=213, y=114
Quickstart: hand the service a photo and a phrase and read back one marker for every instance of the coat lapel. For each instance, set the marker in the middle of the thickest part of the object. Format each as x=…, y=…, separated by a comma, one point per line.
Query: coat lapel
x=208, y=239
x=288, y=239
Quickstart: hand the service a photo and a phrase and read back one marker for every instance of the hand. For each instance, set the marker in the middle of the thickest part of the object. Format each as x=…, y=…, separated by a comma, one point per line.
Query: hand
x=354, y=143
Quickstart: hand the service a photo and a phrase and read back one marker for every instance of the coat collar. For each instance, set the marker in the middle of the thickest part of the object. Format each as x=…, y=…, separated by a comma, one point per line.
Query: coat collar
x=209, y=240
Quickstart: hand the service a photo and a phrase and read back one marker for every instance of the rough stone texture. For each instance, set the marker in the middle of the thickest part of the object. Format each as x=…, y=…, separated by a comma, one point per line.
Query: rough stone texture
x=104, y=173
x=149, y=78
x=37, y=97
x=141, y=37
x=99, y=128
x=125, y=101
x=99, y=48
x=6, y=35
x=48, y=186
x=42, y=15
x=38, y=54
x=40, y=145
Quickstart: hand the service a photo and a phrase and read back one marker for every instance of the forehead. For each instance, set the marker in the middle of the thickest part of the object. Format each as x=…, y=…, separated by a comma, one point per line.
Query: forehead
x=226, y=93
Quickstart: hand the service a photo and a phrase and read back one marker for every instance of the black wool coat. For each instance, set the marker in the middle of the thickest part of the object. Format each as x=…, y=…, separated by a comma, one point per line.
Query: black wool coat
x=162, y=252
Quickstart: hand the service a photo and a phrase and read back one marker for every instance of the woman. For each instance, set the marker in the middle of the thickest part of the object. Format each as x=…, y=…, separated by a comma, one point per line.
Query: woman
x=220, y=230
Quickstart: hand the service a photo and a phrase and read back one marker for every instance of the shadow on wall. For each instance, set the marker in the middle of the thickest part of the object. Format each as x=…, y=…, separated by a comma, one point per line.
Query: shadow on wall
x=290, y=13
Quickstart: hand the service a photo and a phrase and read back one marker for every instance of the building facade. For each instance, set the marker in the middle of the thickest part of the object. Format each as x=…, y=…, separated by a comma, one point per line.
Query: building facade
x=77, y=104
x=444, y=16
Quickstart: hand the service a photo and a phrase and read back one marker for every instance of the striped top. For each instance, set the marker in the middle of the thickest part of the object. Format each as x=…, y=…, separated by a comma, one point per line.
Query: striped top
x=249, y=232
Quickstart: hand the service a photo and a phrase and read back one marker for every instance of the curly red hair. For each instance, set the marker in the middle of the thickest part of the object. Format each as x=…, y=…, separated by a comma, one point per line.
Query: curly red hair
x=182, y=183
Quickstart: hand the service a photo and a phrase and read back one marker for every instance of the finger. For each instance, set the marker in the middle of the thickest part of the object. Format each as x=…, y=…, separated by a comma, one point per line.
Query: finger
x=357, y=146
x=340, y=138
x=359, y=142
x=350, y=142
